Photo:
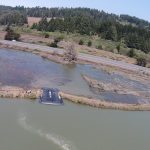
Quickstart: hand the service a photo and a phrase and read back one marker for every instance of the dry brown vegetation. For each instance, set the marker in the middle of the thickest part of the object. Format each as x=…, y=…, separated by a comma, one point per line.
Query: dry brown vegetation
x=70, y=55
x=2, y=35
x=96, y=52
x=16, y=92
x=32, y=20
x=37, y=39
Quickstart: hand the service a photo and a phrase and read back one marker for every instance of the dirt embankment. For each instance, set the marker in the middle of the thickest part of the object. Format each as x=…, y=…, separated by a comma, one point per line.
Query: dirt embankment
x=100, y=86
x=139, y=76
x=96, y=52
x=16, y=92
x=105, y=105
x=54, y=56
x=111, y=87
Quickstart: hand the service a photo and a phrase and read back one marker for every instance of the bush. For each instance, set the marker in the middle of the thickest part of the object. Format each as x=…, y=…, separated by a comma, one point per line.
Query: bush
x=58, y=39
x=81, y=42
x=141, y=60
x=70, y=54
x=89, y=43
x=110, y=48
x=34, y=26
x=46, y=35
x=11, y=35
x=53, y=44
x=100, y=47
x=131, y=53
x=118, y=47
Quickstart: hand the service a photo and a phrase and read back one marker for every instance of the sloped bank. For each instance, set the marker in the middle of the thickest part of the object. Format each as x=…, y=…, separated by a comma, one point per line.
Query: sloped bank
x=115, y=87
x=53, y=55
x=109, y=87
x=105, y=105
x=16, y=92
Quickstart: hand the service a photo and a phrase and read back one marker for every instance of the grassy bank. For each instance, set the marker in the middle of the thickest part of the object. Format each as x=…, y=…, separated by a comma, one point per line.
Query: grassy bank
x=94, y=45
x=97, y=46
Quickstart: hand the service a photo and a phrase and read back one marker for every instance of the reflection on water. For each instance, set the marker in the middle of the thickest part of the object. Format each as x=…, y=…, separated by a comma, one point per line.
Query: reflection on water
x=28, y=70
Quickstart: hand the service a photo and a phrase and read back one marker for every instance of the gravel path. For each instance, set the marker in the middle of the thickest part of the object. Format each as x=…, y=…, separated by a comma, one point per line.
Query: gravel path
x=86, y=57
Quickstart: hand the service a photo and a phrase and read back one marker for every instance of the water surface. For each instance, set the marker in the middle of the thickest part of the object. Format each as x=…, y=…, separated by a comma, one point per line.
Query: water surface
x=28, y=70
x=30, y=125
x=26, y=124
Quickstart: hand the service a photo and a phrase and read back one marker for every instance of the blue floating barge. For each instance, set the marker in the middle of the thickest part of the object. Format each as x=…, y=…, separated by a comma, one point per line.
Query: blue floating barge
x=51, y=96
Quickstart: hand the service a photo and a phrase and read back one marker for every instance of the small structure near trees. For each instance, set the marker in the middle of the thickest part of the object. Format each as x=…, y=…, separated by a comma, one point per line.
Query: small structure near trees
x=70, y=55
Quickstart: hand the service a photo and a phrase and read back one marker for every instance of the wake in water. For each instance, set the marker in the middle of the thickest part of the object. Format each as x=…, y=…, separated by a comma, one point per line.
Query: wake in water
x=56, y=139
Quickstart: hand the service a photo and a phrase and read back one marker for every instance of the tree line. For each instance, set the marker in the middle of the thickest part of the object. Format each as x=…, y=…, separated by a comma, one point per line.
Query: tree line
x=8, y=16
x=134, y=34
x=72, y=12
x=13, y=18
x=132, y=37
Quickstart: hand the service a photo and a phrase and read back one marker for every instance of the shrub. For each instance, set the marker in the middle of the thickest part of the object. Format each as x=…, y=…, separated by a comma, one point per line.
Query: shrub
x=131, y=53
x=89, y=43
x=118, y=47
x=81, y=42
x=110, y=48
x=34, y=26
x=46, y=35
x=53, y=44
x=141, y=60
x=58, y=39
x=100, y=47
x=11, y=35
x=70, y=54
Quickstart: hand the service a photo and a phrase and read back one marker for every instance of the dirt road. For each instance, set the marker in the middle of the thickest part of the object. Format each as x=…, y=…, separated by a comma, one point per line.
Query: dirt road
x=85, y=57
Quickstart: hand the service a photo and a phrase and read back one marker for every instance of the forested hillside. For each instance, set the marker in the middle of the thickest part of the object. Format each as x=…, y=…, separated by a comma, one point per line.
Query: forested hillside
x=131, y=31
x=9, y=16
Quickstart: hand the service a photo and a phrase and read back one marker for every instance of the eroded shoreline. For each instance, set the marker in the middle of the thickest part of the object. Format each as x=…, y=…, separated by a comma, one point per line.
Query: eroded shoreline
x=16, y=92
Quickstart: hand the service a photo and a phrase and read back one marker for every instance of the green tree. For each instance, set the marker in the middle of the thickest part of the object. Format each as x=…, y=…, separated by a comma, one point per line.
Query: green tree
x=43, y=24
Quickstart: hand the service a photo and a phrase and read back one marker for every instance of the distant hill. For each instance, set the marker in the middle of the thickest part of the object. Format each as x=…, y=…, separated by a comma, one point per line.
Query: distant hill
x=132, y=31
x=71, y=12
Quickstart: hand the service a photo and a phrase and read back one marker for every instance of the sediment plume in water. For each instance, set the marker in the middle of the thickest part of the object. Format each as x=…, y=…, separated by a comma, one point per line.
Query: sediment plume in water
x=56, y=139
